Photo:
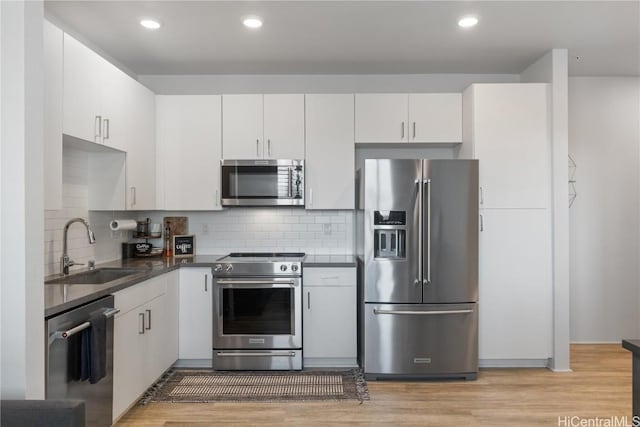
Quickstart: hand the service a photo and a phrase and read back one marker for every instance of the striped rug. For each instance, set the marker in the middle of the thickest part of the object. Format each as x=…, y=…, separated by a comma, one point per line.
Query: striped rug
x=191, y=385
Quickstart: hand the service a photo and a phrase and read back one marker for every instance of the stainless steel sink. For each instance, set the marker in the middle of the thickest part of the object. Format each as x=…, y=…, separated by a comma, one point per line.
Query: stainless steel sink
x=98, y=276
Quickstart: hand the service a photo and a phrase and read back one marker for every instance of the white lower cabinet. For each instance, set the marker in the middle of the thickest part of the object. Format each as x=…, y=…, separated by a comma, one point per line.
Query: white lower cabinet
x=329, y=317
x=143, y=347
x=195, y=325
x=515, y=287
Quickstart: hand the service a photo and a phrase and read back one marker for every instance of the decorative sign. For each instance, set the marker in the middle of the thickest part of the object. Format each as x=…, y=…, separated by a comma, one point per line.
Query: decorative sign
x=184, y=245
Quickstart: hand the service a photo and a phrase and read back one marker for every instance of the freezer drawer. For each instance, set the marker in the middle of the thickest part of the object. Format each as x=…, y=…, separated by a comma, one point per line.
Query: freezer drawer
x=421, y=340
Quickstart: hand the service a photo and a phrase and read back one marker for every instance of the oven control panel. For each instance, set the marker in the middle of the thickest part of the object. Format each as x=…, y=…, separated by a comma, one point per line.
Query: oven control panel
x=258, y=269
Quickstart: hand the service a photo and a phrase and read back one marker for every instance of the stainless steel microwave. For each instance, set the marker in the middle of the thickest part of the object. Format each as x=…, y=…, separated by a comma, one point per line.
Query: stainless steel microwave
x=262, y=182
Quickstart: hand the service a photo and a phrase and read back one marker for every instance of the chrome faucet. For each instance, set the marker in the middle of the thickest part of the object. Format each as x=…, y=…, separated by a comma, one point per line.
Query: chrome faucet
x=65, y=262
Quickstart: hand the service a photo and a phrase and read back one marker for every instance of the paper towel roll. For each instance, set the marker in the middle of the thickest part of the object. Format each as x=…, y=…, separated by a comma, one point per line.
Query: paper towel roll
x=123, y=224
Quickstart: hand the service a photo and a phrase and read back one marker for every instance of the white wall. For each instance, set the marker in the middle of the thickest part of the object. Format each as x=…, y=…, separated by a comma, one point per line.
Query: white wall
x=604, y=140
x=21, y=195
x=321, y=83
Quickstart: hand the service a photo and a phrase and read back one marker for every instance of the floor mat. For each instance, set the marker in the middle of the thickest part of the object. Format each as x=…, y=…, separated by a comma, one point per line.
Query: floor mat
x=197, y=385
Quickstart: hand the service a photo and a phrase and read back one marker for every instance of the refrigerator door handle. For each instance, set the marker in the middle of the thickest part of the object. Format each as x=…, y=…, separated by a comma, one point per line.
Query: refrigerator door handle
x=420, y=313
x=418, y=279
x=427, y=280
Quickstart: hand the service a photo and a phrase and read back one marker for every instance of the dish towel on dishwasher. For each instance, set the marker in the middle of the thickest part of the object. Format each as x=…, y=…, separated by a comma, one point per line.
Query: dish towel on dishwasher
x=93, y=353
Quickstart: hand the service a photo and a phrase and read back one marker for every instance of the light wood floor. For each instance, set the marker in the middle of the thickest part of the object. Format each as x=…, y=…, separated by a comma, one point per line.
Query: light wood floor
x=599, y=386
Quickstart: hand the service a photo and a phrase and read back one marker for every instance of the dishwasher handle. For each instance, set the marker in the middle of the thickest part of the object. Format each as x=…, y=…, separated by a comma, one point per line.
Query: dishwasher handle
x=81, y=327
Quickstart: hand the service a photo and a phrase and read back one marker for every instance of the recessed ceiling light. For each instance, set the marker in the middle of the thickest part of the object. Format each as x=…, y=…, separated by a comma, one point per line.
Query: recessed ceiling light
x=151, y=24
x=468, y=21
x=252, y=22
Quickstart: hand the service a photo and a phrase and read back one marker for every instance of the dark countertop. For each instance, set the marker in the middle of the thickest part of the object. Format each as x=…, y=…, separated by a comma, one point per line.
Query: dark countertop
x=60, y=298
x=632, y=345
x=330, y=261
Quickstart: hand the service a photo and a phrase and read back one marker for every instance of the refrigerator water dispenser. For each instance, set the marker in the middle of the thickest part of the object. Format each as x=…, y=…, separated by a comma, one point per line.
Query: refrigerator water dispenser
x=390, y=242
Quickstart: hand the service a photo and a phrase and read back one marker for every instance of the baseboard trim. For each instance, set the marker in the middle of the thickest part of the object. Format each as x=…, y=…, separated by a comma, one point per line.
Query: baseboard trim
x=193, y=363
x=513, y=363
x=596, y=342
x=321, y=362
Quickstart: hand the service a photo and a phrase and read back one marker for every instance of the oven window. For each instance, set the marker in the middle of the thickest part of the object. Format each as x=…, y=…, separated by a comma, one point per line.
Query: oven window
x=246, y=182
x=257, y=311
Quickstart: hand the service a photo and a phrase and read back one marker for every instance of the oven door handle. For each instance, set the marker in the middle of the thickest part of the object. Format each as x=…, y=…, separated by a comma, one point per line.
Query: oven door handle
x=256, y=354
x=256, y=282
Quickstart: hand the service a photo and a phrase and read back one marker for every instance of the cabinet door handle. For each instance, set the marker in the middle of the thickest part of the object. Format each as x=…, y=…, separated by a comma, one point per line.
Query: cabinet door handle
x=310, y=196
x=414, y=130
x=141, y=324
x=257, y=147
x=402, y=131
x=106, y=128
x=309, y=300
x=269, y=147
x=206, y=280
x=133, y=196
x=481, y=197
x=97, y=128
x=481, y=223
x=148, y=319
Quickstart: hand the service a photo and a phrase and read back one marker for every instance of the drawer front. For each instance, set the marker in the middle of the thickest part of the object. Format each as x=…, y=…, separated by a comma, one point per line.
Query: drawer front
x=329, y=276
x=421, y=339
x=136, y=295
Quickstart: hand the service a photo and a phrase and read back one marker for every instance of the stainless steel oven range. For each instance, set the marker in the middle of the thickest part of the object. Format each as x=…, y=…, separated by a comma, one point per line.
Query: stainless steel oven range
x=257, y=311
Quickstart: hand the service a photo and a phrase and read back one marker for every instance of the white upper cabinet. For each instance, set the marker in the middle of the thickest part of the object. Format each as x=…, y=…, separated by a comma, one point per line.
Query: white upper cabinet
x=188, y=135
x=95, y=96
x=263, y=126
x=242, y=124
x=82, y=88
x=435, y=117
x=507, y=128
x=284, y=126
x=53, y=39
x=140, y=145
x=329, y=141
x=401, y=117
x=381, y=117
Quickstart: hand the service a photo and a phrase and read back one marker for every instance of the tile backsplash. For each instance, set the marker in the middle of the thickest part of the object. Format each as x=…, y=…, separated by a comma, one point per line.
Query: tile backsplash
x=267, y=229
x=75, y=196
x=218, y=232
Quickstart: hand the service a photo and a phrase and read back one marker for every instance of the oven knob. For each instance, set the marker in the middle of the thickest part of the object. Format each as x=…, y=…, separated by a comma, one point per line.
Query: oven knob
x=217, y=268
x=294, y=267
x=229, y=267
x=283, y=267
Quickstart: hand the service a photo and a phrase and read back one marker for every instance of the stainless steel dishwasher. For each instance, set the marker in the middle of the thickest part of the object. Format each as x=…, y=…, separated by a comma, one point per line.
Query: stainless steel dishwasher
x=63, y=333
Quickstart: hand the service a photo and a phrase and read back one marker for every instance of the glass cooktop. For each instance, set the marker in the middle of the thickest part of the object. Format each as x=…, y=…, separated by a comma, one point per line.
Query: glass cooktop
x=266, y=254
x=264, y=257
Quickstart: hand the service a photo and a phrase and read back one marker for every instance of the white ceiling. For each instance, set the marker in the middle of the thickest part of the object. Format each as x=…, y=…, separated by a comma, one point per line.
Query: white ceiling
x=357, y=37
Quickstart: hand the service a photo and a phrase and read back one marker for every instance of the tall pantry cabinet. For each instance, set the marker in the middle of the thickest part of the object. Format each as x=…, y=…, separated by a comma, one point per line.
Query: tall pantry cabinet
x=506, y=127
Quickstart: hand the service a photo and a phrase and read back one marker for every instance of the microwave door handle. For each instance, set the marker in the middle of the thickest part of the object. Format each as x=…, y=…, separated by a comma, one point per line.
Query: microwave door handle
x=290, y=183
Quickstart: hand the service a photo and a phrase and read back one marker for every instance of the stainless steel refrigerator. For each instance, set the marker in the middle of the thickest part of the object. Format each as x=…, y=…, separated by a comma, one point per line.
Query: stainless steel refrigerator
x=419, y=268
